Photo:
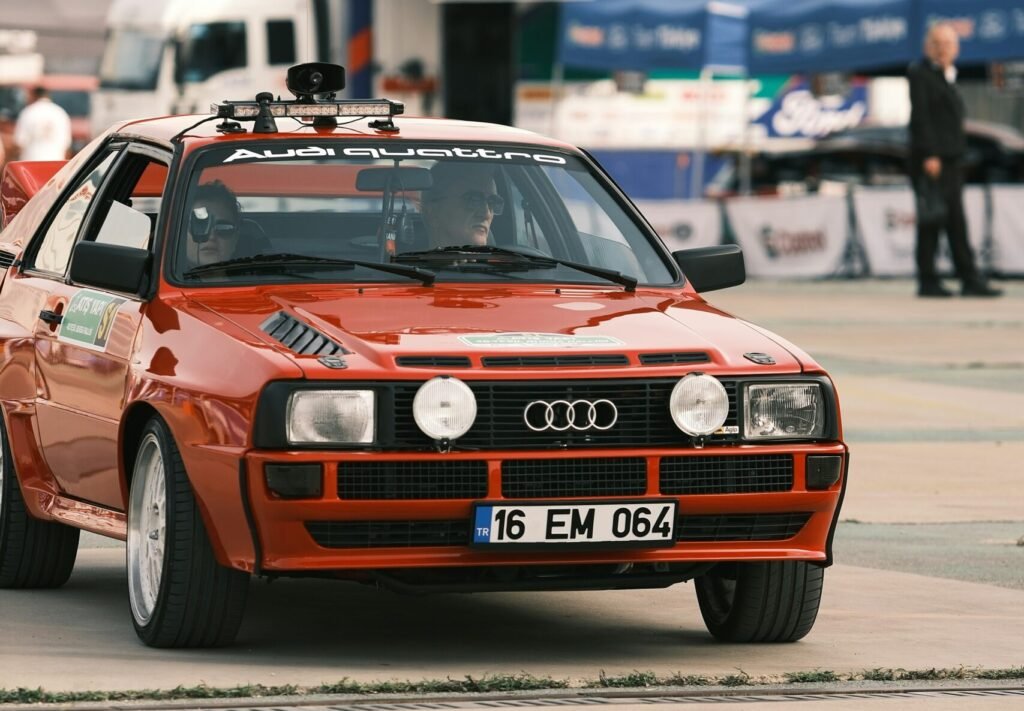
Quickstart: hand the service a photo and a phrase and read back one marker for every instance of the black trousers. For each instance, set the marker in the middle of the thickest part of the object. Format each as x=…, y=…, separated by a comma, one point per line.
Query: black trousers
x=951, y=182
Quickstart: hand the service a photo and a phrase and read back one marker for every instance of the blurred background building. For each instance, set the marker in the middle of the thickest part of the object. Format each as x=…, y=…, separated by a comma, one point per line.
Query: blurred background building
x=678, y=98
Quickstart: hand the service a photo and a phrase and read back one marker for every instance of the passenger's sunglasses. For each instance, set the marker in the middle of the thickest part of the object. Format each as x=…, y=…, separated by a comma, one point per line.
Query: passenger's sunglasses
x=203, y=225
x=475, y=200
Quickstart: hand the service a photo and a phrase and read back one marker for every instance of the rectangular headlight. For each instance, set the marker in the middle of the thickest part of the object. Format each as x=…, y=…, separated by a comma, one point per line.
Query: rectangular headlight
x=331, y=417
x=783, y=411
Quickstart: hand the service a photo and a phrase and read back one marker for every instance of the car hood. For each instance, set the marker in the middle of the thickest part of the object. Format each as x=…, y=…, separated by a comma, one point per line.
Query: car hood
x=378, y=325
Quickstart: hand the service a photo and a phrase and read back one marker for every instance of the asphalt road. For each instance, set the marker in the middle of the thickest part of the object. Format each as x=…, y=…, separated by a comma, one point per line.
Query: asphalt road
x=928, y=574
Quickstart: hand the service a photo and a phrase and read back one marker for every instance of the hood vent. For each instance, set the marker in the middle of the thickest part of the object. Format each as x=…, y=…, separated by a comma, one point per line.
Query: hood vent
x=432, y=361
x=554, y=361
x=673, y=358
x=6, y=260
x=300, y=337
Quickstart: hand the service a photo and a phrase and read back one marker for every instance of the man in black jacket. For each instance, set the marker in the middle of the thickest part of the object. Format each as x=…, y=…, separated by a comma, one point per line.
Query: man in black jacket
x=937, y=147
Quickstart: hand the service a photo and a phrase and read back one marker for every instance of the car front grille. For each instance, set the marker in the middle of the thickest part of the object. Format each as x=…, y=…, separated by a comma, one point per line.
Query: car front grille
x=388, y=534
x=412, y=534
x=740, y=527
x=403, y=480
x=642, y=405
x=541, y=478
x=563, y=477
x=726, y=475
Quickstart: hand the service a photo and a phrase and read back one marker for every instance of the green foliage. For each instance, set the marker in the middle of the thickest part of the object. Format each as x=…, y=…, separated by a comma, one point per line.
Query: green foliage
x=810, y=677
x=498, y=683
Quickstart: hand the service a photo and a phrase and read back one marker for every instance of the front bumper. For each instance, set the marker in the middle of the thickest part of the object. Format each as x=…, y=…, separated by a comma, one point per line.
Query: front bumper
x=331, y=533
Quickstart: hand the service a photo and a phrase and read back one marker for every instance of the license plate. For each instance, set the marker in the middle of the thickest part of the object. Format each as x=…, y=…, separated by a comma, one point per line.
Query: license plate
x=629, y=523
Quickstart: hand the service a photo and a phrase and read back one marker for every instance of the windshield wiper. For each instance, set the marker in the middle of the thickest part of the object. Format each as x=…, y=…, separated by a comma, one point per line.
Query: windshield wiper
x=470, y=251
x=286, y=259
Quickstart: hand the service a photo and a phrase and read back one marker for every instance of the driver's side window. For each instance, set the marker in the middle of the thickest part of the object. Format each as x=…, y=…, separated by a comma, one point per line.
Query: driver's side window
x=128, y=212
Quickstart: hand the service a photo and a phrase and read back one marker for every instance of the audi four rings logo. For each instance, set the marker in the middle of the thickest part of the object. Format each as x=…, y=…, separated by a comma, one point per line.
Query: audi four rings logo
x=562, y=415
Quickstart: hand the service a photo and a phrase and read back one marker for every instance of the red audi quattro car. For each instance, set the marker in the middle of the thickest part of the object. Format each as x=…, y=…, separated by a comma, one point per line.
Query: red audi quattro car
x=309, y=337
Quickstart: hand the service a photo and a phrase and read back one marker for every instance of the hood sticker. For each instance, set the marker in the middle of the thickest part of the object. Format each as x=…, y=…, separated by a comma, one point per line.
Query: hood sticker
x=89, y=318
x=580, y=306
x=539, y=340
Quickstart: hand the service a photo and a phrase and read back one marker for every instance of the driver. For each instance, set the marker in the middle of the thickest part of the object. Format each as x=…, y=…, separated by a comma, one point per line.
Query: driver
x=214, y=224
x=461, y=204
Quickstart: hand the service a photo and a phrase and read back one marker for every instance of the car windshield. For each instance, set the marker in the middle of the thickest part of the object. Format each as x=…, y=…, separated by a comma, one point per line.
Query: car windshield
x=331, y=211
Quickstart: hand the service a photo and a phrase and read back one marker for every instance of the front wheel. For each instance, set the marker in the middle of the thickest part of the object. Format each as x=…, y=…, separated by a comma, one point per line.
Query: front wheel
x=773, y=601
x=180, y=596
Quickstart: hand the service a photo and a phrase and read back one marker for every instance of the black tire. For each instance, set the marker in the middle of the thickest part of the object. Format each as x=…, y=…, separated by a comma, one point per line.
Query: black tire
x=195, y=602
x=774, y=601
x=33, y=553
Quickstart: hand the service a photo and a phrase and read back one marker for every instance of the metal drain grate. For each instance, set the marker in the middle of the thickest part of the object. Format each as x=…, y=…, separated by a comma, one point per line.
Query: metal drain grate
x=614, y=699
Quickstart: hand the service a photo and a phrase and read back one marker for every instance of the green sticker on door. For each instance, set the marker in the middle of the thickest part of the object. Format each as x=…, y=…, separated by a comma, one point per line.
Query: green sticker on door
x=89, y=319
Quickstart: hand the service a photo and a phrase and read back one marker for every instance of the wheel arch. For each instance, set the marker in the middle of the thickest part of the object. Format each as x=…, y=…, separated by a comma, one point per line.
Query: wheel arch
x=219, y=503
x=133, y=421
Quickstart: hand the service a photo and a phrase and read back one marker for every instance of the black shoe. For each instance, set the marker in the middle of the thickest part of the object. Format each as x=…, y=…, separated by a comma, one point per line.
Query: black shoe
x=935, y=290
x=980, y=288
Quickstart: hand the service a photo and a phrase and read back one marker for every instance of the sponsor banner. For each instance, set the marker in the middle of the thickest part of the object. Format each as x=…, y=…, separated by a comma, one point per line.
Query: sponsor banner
x=988, y=29
x=887, y=227
x=977, y=227
x=790, y=237
x=1008, y=229
x=797, y=113
x=89, y=318
x=825, y=37
x=684, y=224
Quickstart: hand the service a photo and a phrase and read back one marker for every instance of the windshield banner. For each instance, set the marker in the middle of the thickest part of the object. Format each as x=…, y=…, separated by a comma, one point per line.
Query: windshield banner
x=790, y=237
x=684, y=224
x=1007, y=228
x=887, y=229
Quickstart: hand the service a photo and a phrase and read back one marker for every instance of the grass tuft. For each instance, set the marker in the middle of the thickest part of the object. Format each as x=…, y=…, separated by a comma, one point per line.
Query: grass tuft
x=633, y=680
x=878, y=674
x=741, y=679
x=811, y=677
x=497, y=683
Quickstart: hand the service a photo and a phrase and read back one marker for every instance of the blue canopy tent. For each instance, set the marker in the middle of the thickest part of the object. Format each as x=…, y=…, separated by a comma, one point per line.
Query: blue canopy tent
x=643, y=35
x=831, y=35
x=708, y=36
x=990, y=30
x=805, y=36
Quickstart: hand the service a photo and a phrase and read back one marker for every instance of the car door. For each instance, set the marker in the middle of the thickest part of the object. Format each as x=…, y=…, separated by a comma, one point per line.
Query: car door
x=84, y=337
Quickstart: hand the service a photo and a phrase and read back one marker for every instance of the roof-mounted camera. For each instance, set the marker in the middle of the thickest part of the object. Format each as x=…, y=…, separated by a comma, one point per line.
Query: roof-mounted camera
x=314, y=85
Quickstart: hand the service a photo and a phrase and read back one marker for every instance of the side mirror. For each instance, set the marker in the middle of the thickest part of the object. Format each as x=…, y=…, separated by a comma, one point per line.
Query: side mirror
x=711, y=268
x=110, y=266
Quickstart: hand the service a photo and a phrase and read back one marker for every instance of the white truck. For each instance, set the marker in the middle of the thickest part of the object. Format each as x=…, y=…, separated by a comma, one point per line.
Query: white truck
x=179, y=56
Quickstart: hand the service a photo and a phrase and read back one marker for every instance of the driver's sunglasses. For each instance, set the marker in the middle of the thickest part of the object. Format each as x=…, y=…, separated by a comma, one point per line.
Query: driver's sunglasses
x=203, y=226
x=475, y=200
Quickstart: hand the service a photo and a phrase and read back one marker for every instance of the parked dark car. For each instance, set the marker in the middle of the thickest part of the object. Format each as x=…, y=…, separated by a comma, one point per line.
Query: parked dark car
x=869, y=155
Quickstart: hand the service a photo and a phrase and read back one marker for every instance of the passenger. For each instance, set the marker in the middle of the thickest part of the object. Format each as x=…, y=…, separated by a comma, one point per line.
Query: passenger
x=461, y=204
x=214, y=225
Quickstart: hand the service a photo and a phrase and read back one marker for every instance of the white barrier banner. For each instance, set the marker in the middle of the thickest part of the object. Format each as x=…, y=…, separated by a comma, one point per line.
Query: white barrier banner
x=1008, y=229
x=790, y=237
x=887, y=225
x=684, y=224
x=974, y=211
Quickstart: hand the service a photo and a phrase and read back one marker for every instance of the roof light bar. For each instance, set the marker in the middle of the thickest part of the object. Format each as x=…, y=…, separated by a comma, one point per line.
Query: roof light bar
x=250, y=110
